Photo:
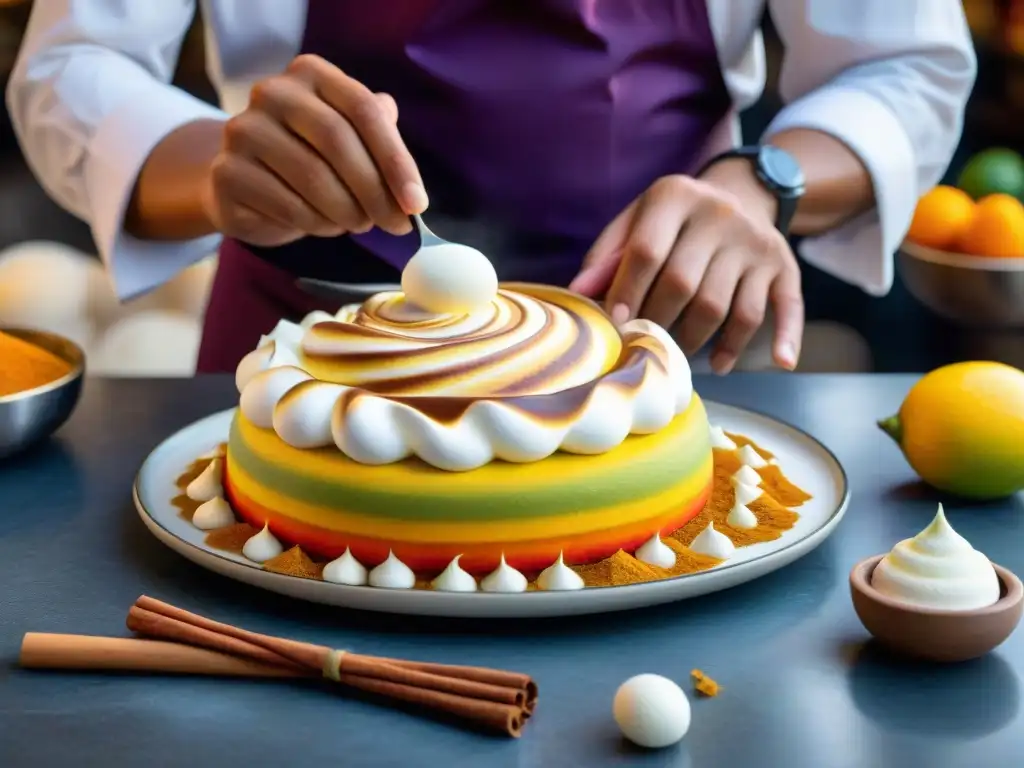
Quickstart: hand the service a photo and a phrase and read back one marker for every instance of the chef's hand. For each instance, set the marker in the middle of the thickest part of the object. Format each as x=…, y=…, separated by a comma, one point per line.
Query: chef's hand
x=315, y=153
x=704, y=252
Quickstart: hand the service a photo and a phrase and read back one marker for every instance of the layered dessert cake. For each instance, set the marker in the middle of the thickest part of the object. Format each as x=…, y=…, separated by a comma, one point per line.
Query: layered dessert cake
x=469, y=435
x=517, y=423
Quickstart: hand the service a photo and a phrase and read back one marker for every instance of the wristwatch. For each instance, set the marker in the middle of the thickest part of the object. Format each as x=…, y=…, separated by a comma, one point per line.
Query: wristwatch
x=780, y=174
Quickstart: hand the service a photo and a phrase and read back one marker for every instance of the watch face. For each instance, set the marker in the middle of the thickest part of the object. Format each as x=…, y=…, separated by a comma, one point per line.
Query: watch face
x=781, y=168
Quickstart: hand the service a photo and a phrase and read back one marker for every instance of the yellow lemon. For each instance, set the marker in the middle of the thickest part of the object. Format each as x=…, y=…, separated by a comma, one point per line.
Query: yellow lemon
x=961, y=428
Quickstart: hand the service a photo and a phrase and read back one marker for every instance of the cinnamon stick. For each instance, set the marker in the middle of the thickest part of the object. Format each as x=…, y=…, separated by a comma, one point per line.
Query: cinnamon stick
x=502, y=677
x=303, y=654
x=372, y=667
x=490, y=698
x=84, y=652
x=163, y=620
x=154, y=625
x=503, y=718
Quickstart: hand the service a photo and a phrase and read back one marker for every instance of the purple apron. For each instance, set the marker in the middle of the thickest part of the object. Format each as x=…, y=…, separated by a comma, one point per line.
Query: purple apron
x=533, y=124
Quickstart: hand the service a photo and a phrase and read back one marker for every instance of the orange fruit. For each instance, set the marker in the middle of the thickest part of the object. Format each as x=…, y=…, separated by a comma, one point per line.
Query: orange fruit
x=997, y=228
x=942, y=217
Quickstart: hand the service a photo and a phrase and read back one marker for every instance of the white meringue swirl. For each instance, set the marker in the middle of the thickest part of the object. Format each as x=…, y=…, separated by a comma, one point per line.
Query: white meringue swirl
x=517, y=344
x=459, y=392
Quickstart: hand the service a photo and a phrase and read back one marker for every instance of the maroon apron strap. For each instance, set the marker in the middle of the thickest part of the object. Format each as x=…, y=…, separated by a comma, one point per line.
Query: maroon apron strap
x=247, y=299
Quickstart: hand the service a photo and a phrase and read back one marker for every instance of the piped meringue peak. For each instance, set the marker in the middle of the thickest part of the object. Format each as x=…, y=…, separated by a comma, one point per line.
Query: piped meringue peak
x=209, y=484
x=454, y=579
x=937, y=569
x=532, y=371
x=721, y=440
x=263, y=546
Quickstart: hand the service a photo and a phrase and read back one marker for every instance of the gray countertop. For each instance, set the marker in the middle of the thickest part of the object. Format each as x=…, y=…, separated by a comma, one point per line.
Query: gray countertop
x=800, y=688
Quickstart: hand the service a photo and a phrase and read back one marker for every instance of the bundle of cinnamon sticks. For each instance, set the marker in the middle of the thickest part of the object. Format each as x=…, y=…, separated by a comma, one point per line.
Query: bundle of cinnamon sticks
x=185, y=643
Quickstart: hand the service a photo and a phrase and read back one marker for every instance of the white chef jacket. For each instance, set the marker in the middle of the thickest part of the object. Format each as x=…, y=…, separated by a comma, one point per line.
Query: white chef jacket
x=90, y=97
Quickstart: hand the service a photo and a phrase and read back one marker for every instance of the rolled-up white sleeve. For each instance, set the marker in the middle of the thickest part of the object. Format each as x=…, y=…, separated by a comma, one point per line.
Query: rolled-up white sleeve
x=890, y=79
x=90, y=98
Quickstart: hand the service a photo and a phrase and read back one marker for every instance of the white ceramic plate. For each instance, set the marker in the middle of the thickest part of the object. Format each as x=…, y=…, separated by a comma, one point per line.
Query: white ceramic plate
x=802, y=458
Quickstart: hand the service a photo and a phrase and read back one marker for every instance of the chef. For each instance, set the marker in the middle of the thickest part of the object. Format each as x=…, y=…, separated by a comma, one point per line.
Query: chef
x=587, y=143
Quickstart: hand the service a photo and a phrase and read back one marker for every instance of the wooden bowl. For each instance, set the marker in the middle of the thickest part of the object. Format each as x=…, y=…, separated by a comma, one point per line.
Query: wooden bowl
x=973, y=291
x=932, y=634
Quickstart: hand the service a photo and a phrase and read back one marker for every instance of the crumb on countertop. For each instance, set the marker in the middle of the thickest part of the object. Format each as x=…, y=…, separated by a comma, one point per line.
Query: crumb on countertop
x=704, y=684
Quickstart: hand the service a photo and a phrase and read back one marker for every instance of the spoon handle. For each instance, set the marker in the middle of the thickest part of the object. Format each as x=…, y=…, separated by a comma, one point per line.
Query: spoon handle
x=344, y=292
x=427, y=238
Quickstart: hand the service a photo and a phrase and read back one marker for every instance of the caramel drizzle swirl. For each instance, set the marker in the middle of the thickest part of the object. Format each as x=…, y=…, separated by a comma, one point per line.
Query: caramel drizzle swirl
x=531, y=341
x=559, y=407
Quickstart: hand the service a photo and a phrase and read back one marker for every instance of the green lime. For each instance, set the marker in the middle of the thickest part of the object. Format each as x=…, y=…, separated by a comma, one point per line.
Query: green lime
x=991, y=171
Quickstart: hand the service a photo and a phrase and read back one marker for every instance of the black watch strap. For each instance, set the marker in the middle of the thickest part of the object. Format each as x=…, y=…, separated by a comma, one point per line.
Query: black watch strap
x=779, y=173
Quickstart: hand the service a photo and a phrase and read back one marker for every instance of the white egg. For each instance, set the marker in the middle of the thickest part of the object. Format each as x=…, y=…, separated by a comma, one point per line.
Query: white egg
x=651, y=711
x=30, y=297
x=45, y=285
x=148, y=344
x=449, y=279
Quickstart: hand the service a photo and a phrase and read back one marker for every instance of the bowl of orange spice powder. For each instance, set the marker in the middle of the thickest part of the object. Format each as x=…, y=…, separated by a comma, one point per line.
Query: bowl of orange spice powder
x=40, y=383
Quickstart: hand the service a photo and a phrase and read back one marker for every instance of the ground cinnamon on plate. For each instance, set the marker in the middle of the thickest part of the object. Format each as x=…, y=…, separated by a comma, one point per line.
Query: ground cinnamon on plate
x=622, y=568
x=686, y=561
x=232, y=538
x=185, y=506
x=772, y=509
x=295, y=562
x=26, y=366
x=742, y=440
x=616, y=570
x=780, y=487
x=773, y=519
x=772, y=479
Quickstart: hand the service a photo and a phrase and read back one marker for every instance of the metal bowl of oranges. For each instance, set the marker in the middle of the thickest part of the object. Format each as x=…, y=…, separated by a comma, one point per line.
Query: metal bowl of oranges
x=964, y=259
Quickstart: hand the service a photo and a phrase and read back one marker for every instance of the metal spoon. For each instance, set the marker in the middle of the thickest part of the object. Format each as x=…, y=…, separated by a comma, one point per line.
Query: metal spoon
x=327, y=289
x=427, y=238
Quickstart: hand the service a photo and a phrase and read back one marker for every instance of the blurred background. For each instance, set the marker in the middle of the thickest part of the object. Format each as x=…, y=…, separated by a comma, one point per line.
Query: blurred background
x=158, y=334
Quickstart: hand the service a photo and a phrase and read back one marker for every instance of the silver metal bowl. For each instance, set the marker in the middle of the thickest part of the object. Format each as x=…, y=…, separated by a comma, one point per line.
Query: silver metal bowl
x=977, y=291
x=30, y=416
